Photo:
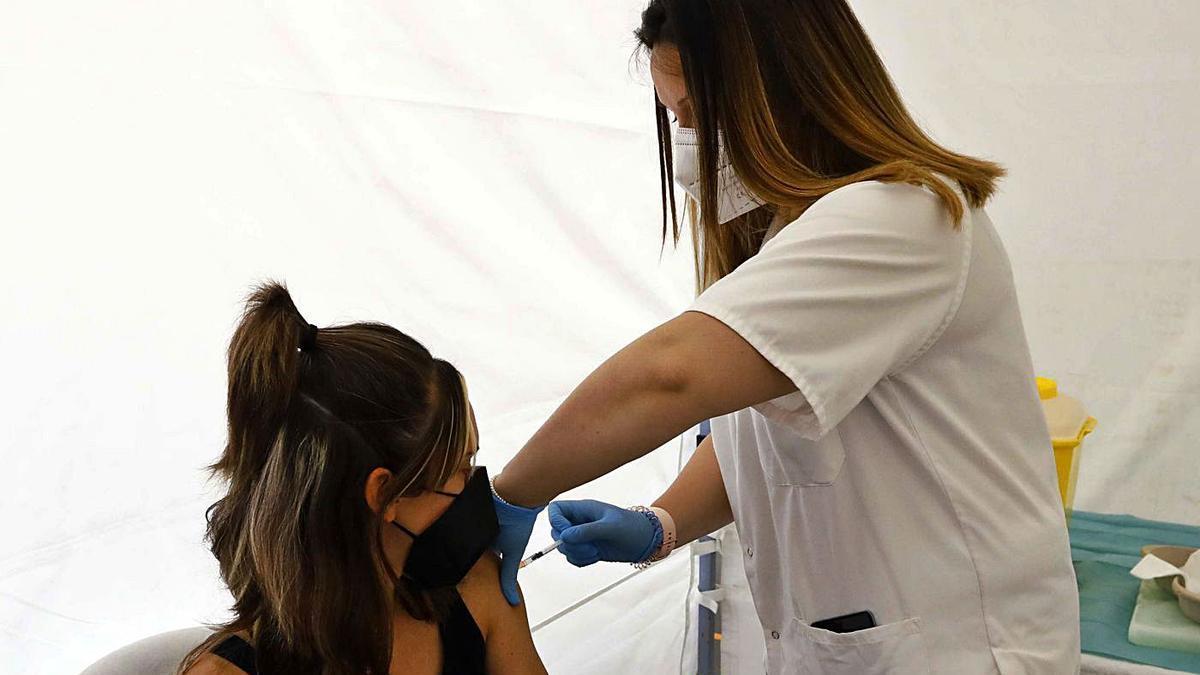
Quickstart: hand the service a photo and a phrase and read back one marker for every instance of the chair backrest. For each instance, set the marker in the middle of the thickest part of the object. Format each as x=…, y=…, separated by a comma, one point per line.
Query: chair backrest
x=156, y=655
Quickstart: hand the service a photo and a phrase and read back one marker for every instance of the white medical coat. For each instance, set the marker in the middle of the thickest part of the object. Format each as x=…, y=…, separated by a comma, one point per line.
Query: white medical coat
x=911, y=474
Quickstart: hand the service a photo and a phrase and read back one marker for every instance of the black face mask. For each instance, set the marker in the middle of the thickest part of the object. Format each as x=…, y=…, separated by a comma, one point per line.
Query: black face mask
x=448, y=549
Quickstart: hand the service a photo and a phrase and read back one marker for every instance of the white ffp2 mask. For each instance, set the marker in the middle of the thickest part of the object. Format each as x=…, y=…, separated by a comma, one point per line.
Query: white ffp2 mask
x=733, y=199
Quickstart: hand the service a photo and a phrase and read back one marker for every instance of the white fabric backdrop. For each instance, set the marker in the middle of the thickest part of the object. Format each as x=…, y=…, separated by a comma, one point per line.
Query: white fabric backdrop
x=483, y=176
x=1092, y=106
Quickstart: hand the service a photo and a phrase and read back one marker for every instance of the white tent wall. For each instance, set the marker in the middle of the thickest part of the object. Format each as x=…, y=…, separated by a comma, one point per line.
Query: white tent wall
x=482, y=175
x=477, y=174
x=1092, y=107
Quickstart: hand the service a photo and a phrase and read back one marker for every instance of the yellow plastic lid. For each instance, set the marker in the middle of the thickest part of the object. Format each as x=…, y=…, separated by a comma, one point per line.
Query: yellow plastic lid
x=1067, y=420
x=1047, y=388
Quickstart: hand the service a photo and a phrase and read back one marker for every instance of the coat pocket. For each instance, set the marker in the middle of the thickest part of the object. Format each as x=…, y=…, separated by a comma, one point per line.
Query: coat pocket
x=891, y=649
x=790, y=459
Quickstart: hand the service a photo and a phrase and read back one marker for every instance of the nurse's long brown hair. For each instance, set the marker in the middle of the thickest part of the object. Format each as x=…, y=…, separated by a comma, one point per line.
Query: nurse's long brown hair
x=310, y=416
x=805, y=106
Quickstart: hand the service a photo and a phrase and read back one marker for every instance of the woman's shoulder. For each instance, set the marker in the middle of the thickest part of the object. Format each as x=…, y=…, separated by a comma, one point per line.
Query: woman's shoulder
x=480, y=591
x=505, y=628
x=211, y=664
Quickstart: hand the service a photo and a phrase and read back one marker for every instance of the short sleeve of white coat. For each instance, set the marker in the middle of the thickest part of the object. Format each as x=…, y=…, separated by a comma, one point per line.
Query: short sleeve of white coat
x=853, y=291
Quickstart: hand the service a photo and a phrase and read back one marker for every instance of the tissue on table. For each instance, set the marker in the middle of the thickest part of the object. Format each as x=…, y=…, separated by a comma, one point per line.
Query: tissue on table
x=1179, y=574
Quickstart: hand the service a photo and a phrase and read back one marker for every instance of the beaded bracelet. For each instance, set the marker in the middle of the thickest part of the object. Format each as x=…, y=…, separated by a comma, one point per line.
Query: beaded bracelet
x=502, y=500
x=510, y=505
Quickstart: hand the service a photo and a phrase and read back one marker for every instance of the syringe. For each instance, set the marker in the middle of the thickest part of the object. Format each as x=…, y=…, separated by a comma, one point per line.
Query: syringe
x=539, y=554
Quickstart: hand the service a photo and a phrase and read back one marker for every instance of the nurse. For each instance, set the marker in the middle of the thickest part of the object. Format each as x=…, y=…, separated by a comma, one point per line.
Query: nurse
x=876, y=433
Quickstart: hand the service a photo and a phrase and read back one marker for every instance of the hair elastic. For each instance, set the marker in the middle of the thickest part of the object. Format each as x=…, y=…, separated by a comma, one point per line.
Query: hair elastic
x=308, y=339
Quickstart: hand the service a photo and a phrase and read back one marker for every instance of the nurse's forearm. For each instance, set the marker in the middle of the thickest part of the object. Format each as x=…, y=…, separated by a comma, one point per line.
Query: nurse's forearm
x=697, y=500
x=689, y=369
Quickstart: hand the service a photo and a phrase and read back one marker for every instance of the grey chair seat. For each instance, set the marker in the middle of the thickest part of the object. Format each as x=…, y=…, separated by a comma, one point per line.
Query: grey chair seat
x=156, y=655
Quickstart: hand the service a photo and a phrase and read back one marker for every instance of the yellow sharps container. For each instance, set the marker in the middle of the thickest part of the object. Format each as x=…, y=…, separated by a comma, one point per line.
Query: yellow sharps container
x=1068, y=423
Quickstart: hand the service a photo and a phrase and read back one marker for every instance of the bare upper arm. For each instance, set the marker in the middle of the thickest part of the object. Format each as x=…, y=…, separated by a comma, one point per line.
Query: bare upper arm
x=505, y=628
x=718, y=370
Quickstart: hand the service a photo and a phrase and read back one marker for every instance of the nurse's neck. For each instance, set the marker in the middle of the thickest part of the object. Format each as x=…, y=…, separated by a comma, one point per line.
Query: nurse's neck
x=787, y=214
x=783, y=215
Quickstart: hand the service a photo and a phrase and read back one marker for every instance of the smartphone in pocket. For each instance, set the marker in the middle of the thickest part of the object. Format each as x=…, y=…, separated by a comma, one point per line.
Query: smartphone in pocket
x=847, y=623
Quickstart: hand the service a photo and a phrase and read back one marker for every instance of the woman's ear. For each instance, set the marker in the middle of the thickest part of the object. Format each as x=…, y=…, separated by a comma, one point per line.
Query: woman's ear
x=373, y=491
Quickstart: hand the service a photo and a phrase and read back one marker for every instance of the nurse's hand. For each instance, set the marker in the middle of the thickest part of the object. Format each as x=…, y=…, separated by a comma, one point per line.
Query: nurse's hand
x=516, y=523
x=591, y=531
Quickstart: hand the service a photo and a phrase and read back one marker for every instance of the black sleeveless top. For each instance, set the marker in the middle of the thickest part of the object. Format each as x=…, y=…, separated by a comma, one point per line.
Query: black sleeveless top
x=463, y=650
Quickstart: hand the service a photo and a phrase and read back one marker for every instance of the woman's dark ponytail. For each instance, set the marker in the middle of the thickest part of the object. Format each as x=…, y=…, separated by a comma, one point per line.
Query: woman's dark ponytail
x=311, y=414
x=264, y=363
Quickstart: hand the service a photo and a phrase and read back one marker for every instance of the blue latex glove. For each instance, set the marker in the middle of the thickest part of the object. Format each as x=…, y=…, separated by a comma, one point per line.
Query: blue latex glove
x=516, y=523
x=592, y=531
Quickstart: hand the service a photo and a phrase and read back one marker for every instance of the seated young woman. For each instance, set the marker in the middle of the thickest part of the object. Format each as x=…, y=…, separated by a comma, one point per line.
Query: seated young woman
x=355, y=532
